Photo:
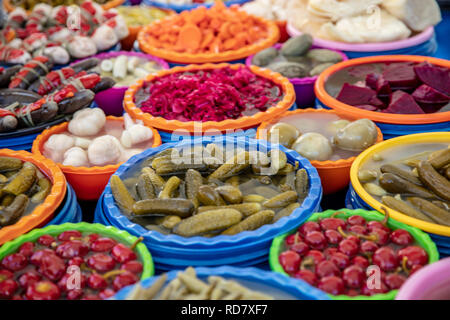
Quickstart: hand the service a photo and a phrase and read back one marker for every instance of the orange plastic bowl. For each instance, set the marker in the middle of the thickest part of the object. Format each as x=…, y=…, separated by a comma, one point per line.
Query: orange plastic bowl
x=403, y=119
x=133, y=31
x=43, y=212
x=335, y=175
x=108, y=5
x=243, y=122
x=88, y=182
x=230, y=55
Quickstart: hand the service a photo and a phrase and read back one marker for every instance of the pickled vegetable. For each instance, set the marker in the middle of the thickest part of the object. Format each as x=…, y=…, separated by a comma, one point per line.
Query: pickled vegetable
x=174, y=207
x=253, y=222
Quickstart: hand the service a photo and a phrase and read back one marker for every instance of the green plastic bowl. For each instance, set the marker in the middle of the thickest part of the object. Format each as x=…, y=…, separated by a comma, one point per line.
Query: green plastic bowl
x=421, y=238
x=112, y=232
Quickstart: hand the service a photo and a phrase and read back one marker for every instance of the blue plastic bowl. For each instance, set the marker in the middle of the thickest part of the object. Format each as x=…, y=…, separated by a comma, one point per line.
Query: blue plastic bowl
x=277, y=285
x=353, y=201
x=396, y=130
x=182, y=7
x=247, y=248
x=69, y=210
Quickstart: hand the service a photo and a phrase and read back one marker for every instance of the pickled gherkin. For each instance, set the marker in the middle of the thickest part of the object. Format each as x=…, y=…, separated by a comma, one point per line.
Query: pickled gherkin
x=208, y=197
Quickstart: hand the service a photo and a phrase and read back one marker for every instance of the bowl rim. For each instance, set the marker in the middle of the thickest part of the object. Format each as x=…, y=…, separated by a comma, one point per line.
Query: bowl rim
x=416, y=39
x=38, y=144
x=229, y=55
x=421, y=279
x=221, y=242
x=113, y=54
x=418, y=235
x=430, y=137
x=110, y=231
x=251, y=274
x=327, y=164
x=142, y=5
x=242, y=122
x=298, y=81
x=189, y=6
x=324, y=97
x=50, y=204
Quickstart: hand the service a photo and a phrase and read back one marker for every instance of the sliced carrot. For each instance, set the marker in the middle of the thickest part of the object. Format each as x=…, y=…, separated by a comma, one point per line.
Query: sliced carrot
x=190, y=36
x=230, y=44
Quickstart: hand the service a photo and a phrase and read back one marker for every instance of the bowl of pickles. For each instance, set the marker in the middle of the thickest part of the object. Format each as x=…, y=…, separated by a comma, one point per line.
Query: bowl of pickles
x=31, y=190
x=410, y=176
x=222, y=197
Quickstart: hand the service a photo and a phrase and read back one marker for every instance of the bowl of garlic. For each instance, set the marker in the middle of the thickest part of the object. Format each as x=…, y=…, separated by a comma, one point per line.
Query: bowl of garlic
x=90, y=147
x=125, y=68
x=364, y=28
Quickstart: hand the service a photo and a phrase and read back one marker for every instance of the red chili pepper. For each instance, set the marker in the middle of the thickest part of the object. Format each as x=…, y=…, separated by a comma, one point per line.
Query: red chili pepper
x=4, y=113
x=54, y=80
x=17, y=80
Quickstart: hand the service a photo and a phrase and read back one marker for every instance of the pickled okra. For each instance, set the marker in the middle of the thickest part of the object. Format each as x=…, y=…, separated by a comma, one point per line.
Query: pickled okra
x=220, y=193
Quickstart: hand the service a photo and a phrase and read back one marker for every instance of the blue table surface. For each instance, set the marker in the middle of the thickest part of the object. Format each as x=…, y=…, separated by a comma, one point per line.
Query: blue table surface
x=443, y=36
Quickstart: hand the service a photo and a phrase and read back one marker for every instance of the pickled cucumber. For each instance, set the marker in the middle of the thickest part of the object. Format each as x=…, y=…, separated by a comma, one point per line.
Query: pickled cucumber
x=395, y=184
x=433, y=180
x=170, y=187
x=281, y=200
x=208, y=196
x=286, y=211
x=301, y=183
x=10, y=164
x=390, y=168
x=207, y=222
x=253, y=222
x=173, y=207
x=14, y=211
x=247, y=209
x=193, y=180
x=230, y=194
x=437, y=214
x=22, y=182
x=121, y=194
x=403, y=207
x=144, y=187
x=44, y=189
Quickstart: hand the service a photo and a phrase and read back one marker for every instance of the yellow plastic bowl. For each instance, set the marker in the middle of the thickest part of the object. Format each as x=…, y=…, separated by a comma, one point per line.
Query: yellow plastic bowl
x=435, y=137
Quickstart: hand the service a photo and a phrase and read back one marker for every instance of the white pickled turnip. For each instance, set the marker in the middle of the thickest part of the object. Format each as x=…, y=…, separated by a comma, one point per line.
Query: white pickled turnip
x=104, y=150
x=135, y=135
x=57, y=145
x=76, y=157
x=313, y=146
x=87, y=122
x=81, y=47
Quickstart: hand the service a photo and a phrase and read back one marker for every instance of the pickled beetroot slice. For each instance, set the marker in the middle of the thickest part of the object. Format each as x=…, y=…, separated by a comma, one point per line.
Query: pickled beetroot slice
x=401, y=76
x=403, y=103
x=378, y=83
x=427, y=94
x=358, y=96
x=436, y=77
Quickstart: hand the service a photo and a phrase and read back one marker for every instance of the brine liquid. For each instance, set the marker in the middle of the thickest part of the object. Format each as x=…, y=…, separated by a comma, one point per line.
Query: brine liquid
x=318, y=123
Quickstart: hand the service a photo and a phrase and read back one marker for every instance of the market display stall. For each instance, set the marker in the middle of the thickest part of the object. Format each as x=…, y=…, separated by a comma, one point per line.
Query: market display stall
x=190, y=150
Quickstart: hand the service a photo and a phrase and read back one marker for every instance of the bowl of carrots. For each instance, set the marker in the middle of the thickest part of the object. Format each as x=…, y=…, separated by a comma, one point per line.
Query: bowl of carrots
x=216, y=34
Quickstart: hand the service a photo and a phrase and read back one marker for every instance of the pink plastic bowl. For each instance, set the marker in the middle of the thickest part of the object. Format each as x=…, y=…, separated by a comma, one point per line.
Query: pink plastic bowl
x=304, y=87
x=111, y=100
x=429, y=283
x=368, y=47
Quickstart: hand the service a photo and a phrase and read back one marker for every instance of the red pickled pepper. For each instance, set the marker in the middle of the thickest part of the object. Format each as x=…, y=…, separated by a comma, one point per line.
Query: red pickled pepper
x=209, y=95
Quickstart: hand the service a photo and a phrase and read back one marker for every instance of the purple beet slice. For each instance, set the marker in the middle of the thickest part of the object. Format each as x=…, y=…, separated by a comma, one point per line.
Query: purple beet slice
x=436, y=77
x=401, y=76
x=358, y=96
x=403, y=103
x=378, y=83
x=427, y=94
